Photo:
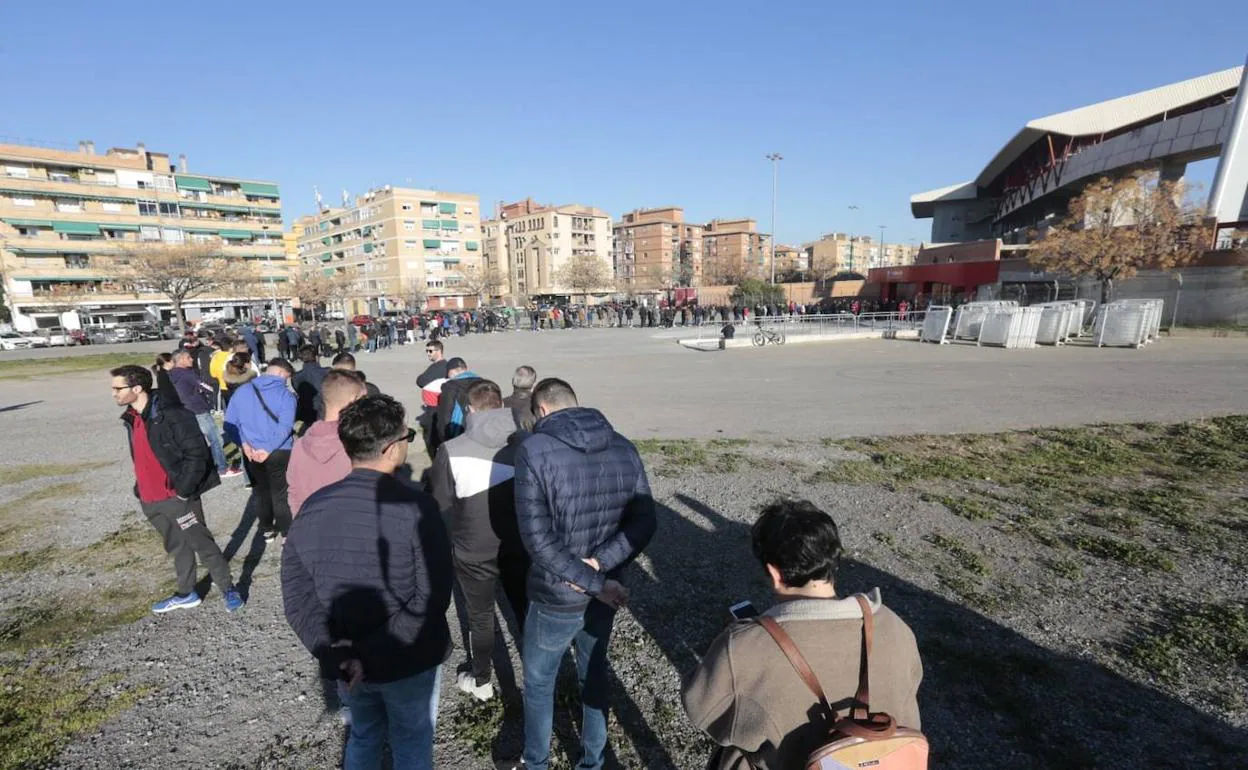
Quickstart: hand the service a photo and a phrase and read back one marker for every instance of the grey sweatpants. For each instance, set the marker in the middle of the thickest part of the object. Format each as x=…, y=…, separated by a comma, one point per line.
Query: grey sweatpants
x=181, y=526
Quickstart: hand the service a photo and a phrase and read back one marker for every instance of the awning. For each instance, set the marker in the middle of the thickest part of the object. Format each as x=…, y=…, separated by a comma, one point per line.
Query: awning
x=326, y=257
x=328, y=271
x=235, y=234
x=258, y=188
x=193, y=183
x=368, y=248
x=106, y=226
x=433, y=243
x=446, y=208
x=471, y=245
x=429, y=224
x=326, y=241
x=449, y=225
x=29, y=222
x=76, y=228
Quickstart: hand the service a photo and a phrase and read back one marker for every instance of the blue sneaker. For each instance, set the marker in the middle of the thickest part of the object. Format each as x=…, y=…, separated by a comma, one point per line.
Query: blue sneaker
x=233, y=601
x=176, y=602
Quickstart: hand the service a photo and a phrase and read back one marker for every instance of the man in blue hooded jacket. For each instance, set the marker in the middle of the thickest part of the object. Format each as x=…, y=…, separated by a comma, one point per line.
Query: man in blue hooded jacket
x=584, y=511
x=263, y=413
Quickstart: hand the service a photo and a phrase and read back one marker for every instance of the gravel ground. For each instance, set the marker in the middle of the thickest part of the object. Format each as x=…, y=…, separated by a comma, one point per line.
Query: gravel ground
x=240, y=691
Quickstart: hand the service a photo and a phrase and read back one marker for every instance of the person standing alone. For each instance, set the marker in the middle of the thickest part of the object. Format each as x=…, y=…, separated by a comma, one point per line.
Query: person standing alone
x=172, y=470
x=584, y=512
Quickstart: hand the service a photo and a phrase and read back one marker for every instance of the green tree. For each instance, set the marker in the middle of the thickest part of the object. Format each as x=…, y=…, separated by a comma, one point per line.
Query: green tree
x=753, y=291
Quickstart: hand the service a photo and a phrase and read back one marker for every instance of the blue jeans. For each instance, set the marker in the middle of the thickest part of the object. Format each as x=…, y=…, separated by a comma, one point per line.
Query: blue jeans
x=547, y=633
x=407, y=709
x=208, y=427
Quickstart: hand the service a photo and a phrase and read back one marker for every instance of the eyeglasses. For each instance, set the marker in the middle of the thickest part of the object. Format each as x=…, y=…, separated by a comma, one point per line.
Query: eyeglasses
x=411, y=435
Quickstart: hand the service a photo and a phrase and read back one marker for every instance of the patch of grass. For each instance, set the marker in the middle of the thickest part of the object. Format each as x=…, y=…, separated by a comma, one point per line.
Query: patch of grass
x=850, y=472
x=1114, y=521
x=1195, y=636
x=15, y=474
x=25, y=561
x=476, y=723
x=47, y=703
x=24, y=628
x=1121, y=551
x=973, y=508
x=727, y=443
x=969, y=560
x=1067, y=568
x=885, y=538
x=43, y=367
x=24, y=512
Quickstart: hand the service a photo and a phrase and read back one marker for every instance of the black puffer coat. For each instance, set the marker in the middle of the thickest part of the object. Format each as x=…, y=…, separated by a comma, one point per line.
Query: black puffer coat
x=581, y=492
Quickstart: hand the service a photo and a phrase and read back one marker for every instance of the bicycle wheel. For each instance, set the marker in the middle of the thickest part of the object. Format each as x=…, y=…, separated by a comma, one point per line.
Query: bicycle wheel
x=759, y=339
x=779, y=339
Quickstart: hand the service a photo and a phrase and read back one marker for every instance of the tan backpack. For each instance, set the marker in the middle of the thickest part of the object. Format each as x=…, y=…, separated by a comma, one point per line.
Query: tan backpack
x=863, y=739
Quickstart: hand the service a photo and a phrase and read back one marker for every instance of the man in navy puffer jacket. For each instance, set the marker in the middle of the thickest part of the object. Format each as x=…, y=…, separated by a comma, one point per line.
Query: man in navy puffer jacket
x=584, y=510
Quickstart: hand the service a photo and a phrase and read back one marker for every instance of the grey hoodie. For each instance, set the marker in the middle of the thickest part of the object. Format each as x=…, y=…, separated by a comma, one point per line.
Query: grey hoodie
x=471, y=479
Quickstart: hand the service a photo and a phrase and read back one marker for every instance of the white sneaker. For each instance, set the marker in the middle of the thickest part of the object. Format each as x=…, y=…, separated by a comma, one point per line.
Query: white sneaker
x=468, y=683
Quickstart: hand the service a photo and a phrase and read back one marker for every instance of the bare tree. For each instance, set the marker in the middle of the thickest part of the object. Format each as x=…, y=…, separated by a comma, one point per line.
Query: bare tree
x=481, y=281
x=178, y=271
x=313, y=288
x=415, y=292
x=1117, y=227
x=585, y=273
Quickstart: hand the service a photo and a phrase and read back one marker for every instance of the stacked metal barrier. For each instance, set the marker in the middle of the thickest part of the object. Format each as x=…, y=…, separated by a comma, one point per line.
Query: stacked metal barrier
x=970, y=317
x=1128, y=323
x=1011, y=327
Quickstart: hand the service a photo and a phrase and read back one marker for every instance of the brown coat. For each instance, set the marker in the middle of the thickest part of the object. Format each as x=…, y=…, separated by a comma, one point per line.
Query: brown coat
x=746, y=696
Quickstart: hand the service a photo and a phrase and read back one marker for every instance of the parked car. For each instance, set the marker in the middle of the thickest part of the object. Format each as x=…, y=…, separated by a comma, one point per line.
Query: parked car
x=362, y=320
x=37, y=339
x=102, y=336
x=80, y=336
x=59, y=337
x=13, y=341
x=147, y=332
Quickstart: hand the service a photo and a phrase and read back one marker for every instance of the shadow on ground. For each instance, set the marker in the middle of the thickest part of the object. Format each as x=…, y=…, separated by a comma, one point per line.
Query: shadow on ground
x=989, y=695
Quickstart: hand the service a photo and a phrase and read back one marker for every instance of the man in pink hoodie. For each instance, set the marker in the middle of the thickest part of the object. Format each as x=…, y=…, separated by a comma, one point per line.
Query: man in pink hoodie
x=318, y=458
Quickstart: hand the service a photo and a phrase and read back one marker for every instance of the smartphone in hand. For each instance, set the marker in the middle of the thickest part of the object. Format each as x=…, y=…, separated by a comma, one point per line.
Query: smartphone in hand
x=743, y=610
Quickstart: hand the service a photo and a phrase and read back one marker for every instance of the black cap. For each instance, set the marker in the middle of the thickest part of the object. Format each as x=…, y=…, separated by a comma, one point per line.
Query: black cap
x=456, y=363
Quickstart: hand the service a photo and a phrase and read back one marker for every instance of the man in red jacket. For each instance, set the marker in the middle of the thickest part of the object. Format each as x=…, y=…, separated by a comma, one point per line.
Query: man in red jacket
x=172, y=469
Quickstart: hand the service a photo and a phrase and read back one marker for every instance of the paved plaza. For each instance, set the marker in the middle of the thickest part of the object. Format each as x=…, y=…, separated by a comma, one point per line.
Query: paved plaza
x=651, y=387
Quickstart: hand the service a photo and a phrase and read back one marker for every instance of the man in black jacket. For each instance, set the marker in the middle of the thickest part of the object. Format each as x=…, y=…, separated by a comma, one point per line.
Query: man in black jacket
x=366, y=583
x=448, y=421
x=172, y=470
x=520, y=402
x=471, y=479
x=434, y=373
x=307, y=386
x=584, y=512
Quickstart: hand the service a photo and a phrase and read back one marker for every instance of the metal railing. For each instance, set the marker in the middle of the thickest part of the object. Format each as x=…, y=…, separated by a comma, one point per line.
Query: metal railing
x=821, y=324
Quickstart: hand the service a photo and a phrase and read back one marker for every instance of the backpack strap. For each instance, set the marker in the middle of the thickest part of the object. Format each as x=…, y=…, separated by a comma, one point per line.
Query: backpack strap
x=862, y=699
x=798, y=661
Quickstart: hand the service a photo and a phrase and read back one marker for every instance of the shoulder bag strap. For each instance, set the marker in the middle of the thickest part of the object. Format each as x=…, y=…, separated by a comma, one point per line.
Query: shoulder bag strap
x=264, y=405
x=863, y=695
x=798, y=661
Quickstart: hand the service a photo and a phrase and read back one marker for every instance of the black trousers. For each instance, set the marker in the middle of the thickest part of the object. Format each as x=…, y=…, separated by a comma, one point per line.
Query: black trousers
x=478, y=579
x=186, y=536
x=268, y=484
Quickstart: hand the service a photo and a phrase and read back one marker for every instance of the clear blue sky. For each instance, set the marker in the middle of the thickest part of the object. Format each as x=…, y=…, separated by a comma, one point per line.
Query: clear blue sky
x=614, y=105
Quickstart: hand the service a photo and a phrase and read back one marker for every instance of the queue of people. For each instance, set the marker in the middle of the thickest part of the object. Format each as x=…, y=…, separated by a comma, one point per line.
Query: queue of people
x=534, y=494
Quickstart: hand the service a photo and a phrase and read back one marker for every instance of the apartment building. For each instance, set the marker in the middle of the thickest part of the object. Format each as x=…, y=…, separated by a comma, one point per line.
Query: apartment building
x=541, y=241
x=733, y=250
x=656, y=249
x=398, y=246
x=790, y=260
x=843, y=253
x=65, y=214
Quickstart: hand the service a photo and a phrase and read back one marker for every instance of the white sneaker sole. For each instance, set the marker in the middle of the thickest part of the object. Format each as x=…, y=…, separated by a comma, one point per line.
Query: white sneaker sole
x=483, y=693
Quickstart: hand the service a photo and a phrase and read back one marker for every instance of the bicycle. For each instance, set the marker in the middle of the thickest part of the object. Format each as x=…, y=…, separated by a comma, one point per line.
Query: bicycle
x=762, y=336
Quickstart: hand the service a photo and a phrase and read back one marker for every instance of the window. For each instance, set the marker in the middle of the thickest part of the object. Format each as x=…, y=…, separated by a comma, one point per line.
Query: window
x=409, y=225
x=171, y=235
x=410, y=244
x=147, y=208
x=23, y=201
x=70, y=205
x=112, y=207
x=78, y=261
x=169, y=209
x=164, y=182
x=60, y=176
x=149, y=233
x=407, y=207
x=28, y=232
x=21, y=172
x=202, y=237
x=467, y=212
x=429, y=209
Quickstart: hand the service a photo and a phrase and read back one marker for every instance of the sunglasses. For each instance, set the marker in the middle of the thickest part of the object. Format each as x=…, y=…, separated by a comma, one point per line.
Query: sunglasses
x=409, y=437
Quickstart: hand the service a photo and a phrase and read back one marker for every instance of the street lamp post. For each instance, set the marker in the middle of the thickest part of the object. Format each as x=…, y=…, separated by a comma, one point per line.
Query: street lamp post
x=775, y=159
x=852, y=207
x=880, y=262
